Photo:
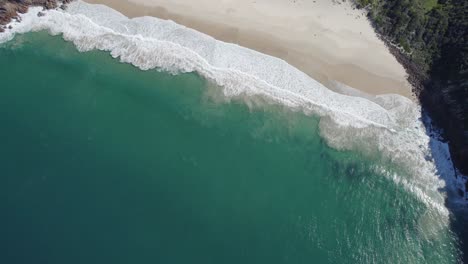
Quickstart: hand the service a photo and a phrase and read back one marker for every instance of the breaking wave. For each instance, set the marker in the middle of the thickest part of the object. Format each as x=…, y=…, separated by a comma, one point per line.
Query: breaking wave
x=387, y=124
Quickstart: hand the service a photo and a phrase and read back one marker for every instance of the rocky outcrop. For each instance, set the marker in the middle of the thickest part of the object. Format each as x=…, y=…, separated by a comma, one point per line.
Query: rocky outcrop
x=9, y=9
x=431, y=43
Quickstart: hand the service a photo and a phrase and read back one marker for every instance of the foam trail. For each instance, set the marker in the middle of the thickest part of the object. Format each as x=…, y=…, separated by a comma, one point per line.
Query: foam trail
x=387, y=124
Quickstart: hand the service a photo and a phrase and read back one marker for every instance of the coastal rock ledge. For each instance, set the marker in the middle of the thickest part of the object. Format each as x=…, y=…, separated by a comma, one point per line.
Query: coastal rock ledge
x=9, y=9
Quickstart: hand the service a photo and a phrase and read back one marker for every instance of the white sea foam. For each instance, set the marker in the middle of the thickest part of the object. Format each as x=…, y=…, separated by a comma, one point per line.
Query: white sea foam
x=388, y=124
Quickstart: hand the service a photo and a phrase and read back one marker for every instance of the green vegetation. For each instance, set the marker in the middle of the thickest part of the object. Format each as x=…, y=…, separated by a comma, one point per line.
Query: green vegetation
x=412, y=24
x=434, y=40
x=429, y=4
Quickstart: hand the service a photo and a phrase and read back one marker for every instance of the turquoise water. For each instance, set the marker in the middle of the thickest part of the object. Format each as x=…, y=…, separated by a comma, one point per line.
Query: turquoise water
x=103, y=163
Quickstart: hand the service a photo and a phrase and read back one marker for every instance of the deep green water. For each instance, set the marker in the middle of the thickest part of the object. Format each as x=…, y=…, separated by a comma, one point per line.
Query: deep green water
x=103, y=163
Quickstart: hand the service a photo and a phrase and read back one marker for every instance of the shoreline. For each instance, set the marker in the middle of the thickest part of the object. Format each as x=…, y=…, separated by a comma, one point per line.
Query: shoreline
x=348, y=110
x=329, y=51
x=358, y=76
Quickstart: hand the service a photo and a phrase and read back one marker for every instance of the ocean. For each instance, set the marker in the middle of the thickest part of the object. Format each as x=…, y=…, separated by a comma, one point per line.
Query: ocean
x=105, y=162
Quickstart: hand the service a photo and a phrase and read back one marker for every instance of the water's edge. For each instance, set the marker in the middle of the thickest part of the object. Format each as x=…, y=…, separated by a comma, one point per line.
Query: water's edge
x=389, y=124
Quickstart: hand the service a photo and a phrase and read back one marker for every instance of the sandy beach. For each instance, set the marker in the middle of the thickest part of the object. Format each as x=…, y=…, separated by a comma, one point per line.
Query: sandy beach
x=329, y=41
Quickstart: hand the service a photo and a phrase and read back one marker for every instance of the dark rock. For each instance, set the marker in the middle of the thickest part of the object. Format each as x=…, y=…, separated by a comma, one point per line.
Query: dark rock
x=9, y=9
x=51, y=4
x=40, y=14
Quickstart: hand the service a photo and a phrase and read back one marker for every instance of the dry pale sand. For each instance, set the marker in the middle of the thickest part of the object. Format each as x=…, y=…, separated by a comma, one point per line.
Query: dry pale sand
x=328, y=40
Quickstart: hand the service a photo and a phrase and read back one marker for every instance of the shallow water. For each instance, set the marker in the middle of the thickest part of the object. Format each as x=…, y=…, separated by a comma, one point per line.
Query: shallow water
x=105, y=163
